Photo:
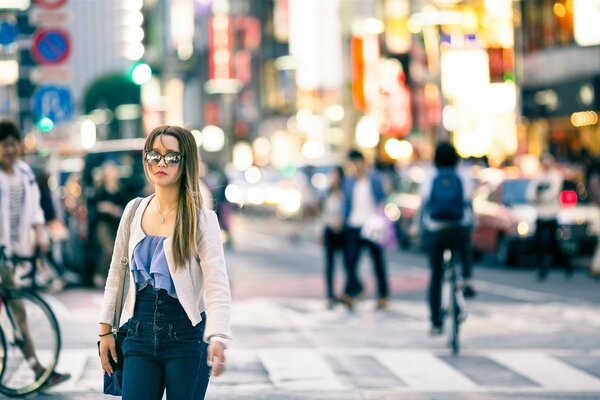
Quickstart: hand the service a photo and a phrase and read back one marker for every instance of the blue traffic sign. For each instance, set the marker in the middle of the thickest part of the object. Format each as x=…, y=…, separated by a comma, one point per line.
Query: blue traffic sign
x=54, y=102
x=8, y=32
x=51, y=46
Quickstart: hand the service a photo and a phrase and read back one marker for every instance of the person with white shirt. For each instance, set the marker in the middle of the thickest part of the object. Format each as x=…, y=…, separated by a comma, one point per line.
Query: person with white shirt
x=177, y=289
x=364, y=199
x=544, y=191
x=21, y=215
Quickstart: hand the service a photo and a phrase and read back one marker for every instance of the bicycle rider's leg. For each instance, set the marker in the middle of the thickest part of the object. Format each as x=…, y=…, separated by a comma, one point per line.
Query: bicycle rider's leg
x=463, y=247
x=436, y=256
x=19, y=315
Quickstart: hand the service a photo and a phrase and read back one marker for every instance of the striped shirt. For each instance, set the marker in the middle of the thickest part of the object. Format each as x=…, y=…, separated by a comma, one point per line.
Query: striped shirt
x=16, y=194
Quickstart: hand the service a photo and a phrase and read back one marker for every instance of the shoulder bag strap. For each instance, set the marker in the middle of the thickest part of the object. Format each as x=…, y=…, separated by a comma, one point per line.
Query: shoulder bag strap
x=124, y=264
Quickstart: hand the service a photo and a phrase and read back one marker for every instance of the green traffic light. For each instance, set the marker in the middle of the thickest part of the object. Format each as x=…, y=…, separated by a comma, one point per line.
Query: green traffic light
x=45, y=124
x=141, y=73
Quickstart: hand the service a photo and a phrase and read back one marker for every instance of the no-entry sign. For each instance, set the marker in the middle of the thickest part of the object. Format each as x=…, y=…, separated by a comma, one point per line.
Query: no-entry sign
x=51, y=46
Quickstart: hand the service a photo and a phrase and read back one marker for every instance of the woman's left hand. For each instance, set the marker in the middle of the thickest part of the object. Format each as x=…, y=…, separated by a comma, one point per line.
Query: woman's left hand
x=216, y=357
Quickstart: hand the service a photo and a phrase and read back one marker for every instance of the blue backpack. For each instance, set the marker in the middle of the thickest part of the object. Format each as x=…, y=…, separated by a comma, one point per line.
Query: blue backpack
x=447, y=197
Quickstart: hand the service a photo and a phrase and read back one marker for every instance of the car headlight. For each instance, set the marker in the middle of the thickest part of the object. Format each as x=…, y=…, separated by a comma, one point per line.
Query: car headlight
x=523, y=229
x=392, y=212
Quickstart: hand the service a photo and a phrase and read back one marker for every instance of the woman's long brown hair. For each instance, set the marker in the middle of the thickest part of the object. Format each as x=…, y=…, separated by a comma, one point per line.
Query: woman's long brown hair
x=187, y=221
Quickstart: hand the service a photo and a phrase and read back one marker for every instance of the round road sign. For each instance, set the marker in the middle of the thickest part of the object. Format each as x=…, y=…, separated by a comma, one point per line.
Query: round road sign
x=8, y=32
x=51, y=46
x=50, y=4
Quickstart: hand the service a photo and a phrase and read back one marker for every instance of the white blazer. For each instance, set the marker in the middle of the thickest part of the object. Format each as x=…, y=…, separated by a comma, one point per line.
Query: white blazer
x=32, y=211
x=202, y=285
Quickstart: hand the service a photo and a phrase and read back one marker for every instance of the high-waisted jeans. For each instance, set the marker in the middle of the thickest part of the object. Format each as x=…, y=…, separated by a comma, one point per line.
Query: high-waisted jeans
x=163, y=350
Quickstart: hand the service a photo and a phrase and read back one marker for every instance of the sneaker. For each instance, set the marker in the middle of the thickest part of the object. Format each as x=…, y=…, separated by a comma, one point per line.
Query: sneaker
x=382, y=303
x=469, y=289
x=55, y=378
x=435, y=331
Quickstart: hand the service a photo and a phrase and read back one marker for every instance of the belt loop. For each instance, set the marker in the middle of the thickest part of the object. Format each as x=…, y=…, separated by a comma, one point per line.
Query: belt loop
x=171, y=331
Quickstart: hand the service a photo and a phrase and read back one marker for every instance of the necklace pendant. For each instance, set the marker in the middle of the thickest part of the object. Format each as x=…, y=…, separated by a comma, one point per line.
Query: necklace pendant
x=162, y=219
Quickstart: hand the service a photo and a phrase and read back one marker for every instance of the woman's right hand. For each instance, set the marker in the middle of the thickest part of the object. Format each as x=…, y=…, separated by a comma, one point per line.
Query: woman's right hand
x=108, y=348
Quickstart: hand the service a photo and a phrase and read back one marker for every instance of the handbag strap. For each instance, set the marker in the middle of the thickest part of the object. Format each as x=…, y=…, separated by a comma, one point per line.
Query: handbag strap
x=124, y=261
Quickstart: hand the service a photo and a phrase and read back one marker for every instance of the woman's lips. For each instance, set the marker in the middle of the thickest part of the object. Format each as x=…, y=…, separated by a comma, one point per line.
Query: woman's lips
x=160, y=173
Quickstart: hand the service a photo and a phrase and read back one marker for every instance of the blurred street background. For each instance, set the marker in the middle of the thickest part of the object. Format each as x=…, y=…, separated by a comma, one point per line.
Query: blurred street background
x=276, y=92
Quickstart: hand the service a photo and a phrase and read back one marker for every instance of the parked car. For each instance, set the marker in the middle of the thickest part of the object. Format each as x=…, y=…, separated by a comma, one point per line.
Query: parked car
x=505, y=221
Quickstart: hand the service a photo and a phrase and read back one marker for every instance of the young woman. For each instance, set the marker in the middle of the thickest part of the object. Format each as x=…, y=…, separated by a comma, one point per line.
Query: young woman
x=178, y=289
x=333, y=234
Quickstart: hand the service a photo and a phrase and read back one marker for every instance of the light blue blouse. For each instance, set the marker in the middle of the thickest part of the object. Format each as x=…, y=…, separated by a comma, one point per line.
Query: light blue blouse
x=149, y=265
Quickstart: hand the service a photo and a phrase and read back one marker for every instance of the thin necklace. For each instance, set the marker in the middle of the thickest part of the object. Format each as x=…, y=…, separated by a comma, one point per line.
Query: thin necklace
x=162, y=216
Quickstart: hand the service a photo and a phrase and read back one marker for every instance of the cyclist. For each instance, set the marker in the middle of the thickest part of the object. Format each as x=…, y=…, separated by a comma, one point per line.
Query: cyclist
x=21, y=213
x=447, y=218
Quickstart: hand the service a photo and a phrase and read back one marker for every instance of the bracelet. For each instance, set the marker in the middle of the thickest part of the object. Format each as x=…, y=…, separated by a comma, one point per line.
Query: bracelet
x=111, y=332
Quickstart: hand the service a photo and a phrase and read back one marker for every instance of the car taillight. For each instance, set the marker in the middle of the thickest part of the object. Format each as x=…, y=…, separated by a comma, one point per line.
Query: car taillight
x=568, y=198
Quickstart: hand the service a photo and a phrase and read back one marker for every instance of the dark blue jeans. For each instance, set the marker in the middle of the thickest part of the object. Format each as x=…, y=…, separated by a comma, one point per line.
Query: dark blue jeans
x=163, y=350
x=353, y=247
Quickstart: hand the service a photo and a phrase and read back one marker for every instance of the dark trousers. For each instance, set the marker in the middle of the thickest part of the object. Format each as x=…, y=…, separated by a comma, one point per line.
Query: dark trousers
x=353, y=247
x=547, y=246
x=333, y=241
x=163, y=351
x=458, y=240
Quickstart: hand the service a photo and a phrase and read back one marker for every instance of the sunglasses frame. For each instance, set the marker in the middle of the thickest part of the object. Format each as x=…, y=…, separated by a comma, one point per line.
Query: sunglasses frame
x=163, y=157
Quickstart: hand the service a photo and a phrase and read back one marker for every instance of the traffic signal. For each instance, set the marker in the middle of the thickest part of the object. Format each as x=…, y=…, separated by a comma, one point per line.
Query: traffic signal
x=45, y=124
x=140, y=73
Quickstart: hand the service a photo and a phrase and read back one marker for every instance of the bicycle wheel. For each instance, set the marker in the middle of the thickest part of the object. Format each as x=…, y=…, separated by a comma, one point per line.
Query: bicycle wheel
x=32, y=339
x=455, y=321
x=2, y=354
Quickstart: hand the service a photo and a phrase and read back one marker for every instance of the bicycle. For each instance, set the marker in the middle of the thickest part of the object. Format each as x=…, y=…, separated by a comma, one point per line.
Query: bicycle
x=453, y=302
x=30, y=339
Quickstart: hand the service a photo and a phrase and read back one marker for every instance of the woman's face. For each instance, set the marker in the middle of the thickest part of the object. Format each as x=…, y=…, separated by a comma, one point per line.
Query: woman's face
x=163, y=174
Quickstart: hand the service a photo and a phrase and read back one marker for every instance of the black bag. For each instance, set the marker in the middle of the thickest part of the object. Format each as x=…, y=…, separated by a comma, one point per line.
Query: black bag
x=114, y=383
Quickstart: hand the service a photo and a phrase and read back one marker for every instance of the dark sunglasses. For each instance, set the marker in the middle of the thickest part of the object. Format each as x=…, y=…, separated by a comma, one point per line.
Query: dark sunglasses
x=154, y=157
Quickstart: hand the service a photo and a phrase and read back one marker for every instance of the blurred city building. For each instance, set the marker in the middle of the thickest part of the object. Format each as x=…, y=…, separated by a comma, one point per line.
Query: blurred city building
x=285, y=84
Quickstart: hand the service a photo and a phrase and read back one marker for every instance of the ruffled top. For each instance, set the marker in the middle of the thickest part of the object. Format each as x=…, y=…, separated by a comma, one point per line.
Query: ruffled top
x=149, y=265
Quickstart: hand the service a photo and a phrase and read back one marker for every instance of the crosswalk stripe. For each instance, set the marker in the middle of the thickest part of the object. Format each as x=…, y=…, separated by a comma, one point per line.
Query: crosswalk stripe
x=300, y=369
x=546, y=371
x=424, y=371
x=313, y=369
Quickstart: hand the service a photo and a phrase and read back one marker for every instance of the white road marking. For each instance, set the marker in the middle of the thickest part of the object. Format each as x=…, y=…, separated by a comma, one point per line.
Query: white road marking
x=422, y=370
x=546, y=370
x=303, y=369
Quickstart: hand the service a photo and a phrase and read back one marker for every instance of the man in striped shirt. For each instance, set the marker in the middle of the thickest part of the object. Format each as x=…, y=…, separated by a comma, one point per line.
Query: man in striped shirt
x=20, y=214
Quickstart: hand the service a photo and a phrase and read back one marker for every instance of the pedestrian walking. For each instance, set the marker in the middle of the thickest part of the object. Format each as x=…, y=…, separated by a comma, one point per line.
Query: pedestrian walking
x=593, y=187
x=107, y=204
x=333, y=234
x=544, y=191
x=21, y=218
x=446, y=216
x=363, y=201
x=177, y=289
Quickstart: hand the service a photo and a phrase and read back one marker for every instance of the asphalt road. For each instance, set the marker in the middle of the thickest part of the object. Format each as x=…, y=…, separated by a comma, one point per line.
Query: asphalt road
x=522, y=339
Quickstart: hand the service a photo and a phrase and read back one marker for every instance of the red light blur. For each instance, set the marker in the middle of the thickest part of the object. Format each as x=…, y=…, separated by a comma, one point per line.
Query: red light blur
x=568, y=198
